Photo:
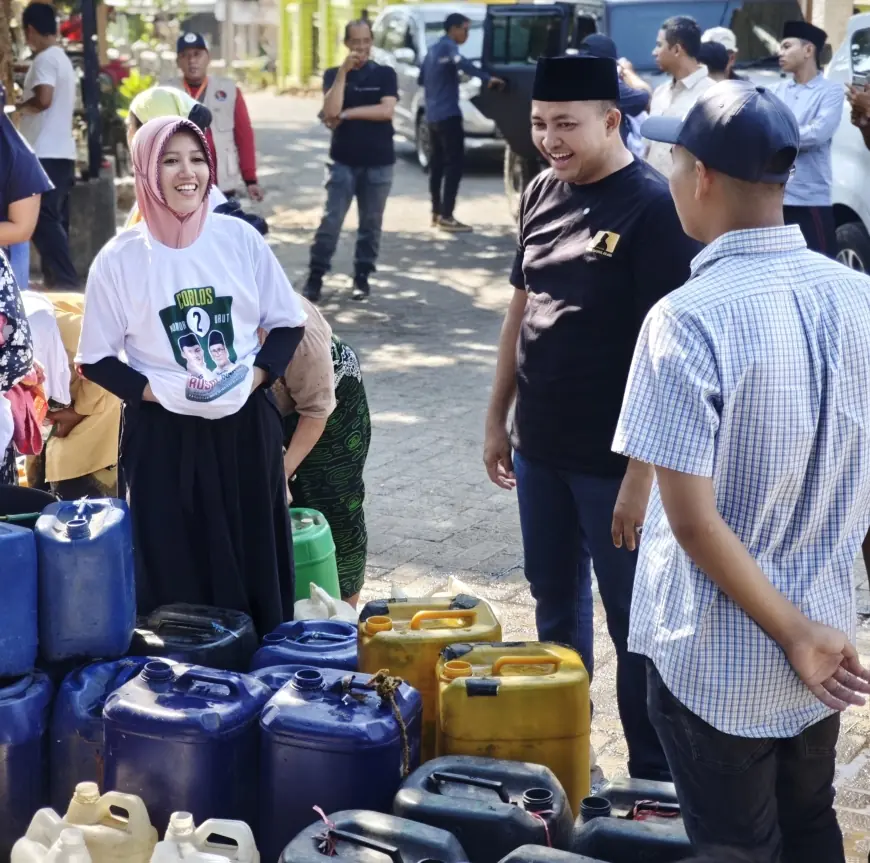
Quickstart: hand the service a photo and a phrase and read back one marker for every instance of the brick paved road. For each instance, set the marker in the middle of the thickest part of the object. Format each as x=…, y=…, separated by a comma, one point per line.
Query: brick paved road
x=427, y=340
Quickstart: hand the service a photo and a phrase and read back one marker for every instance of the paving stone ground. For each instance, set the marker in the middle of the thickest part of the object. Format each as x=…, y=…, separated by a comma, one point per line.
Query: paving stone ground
x=427, y=339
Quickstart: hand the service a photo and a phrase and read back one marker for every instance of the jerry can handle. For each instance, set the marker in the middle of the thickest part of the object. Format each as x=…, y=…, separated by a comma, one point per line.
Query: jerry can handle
x=543, y=659
x=137, y=813
x=323, y=636
x=433, y=614
x=476, y=782
x=364, y=842
x=240, y=833
x=187, y=680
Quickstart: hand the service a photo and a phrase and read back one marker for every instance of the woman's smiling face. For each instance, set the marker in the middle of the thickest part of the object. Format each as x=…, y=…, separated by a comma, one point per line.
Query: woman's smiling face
x=184, y=173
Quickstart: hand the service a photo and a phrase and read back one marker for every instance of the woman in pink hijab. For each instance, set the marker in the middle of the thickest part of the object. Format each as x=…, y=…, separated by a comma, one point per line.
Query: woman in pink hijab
x=172, y=310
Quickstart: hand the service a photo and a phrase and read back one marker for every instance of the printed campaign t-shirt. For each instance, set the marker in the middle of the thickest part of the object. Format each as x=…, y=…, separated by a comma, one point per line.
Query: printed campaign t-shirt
x=50, y=132
x=187, y=318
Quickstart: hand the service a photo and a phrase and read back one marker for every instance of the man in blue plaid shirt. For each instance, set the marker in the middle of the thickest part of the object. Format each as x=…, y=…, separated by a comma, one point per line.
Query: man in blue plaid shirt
x=750, y=395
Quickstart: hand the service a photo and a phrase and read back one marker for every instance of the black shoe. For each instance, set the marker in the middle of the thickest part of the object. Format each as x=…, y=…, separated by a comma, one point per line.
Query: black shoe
x=361, y=289
x=436, y=220
x=313, y=287
x=448, y=223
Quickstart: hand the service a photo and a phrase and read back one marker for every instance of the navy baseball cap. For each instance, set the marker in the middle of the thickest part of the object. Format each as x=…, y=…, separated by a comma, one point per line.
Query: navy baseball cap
x=736, y=128
x=191, y=40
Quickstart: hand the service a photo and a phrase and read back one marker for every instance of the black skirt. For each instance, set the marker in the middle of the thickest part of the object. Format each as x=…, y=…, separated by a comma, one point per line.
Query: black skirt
x=208, y=501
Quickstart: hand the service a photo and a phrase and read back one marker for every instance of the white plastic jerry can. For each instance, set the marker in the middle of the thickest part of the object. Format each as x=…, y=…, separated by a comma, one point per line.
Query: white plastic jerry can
x=112, y=838
x=204, y=844
x=69, y=847
x=43, y=832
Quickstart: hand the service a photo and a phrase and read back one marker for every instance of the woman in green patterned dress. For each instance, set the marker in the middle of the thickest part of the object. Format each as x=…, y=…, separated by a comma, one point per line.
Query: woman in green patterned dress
x=327, y=431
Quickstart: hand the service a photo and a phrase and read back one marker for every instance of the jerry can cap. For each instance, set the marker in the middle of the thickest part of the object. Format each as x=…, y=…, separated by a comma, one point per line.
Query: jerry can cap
x=87, y=792
x=307, y=680
x=157, y=671
x=456, y=668
x=378, y=623
x=181, y=823
x=538, y=799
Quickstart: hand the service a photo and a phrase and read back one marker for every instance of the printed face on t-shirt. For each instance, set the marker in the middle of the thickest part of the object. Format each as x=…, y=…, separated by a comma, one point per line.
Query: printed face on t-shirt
x=195, y=358
x=219, y=355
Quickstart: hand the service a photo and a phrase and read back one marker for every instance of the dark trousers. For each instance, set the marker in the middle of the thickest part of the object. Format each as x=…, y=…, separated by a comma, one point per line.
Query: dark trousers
x=817, y=225
x=447, y=145
x=771, y=799
x=51, y=236
x=371, y=188
x=565, y=519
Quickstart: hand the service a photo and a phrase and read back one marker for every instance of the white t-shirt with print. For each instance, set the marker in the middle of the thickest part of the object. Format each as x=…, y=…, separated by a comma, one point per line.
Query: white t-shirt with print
x=187, y=318
x=50, y=132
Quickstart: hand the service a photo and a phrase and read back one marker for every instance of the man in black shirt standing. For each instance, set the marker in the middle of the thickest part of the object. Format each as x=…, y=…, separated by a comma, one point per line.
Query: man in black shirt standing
x=358, y=107
x=599, y=243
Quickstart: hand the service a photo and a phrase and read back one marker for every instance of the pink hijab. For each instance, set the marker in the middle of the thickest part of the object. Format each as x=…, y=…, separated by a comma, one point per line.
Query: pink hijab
x=165, y=225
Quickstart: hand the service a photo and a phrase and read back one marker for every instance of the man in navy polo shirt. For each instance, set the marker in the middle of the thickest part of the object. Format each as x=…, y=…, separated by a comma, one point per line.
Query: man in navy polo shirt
x=439, y=76
x=358, y=106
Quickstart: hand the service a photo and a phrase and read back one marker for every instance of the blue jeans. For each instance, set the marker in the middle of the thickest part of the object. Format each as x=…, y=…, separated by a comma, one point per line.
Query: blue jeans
x=371, y=188
x=769, y=799
x=19, y=260
x=565, y=519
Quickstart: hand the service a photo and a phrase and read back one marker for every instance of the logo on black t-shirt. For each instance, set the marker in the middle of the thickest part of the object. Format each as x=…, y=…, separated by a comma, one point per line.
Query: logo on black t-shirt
x=603, y=243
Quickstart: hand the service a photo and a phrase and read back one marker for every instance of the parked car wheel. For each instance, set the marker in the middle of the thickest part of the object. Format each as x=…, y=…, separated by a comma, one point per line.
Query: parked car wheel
x=421, y=140
x=518, y=173
x=853, y=246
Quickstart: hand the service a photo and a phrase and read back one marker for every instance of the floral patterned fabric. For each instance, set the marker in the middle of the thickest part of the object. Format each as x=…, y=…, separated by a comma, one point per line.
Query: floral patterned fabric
x=16, y=352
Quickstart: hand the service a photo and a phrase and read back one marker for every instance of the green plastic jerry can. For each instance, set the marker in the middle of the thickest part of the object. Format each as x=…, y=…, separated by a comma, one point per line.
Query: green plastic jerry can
x=313, y=553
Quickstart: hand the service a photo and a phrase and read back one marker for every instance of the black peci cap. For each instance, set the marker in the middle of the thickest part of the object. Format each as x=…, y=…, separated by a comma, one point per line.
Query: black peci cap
x=188, y=340
x=735, y=128
x=807, y=32
x=598, y=45
x=576, y=79
x=216, y=337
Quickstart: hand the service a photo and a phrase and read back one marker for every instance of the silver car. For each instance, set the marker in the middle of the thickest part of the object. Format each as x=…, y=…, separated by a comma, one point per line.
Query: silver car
x=402, y=36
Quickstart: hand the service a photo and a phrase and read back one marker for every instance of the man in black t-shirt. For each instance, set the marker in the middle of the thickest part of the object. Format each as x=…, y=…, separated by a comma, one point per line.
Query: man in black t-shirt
x=360, y=96
x=599, y=243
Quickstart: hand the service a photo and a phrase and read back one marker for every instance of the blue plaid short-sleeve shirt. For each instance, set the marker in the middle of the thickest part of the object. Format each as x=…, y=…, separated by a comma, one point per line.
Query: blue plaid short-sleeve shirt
x=755, y=373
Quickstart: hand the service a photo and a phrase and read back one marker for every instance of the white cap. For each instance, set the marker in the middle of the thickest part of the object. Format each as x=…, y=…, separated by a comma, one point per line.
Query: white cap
x=87, y=792
x=180, y=824
x=723, y=36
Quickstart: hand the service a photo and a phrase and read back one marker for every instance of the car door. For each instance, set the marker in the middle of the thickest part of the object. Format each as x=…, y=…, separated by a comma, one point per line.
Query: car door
x=514, y=37
x=404, y=61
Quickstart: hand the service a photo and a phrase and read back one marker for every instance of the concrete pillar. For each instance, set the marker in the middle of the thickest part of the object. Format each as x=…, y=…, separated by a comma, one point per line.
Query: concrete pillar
x=832, y=16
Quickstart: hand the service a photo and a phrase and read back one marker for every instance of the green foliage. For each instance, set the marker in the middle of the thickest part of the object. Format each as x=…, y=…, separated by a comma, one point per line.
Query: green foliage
x=134, y=84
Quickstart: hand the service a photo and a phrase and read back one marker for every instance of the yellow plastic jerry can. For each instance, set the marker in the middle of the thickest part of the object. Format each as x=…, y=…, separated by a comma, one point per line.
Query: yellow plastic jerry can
x=406, y=637
x=524, y=701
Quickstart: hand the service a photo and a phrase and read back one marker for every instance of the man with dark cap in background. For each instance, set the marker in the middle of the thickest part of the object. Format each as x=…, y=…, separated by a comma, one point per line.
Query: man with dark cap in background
x=230, y=135
x=818, y=105
x=750, y=393
x=715, y=57
x=439, y=76
x=599, y=243
x=633, y=99
x=728, y=40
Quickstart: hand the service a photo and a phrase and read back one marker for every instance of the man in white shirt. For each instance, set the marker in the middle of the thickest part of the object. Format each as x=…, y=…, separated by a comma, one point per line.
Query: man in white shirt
x=677, y=46
x=47, y=124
